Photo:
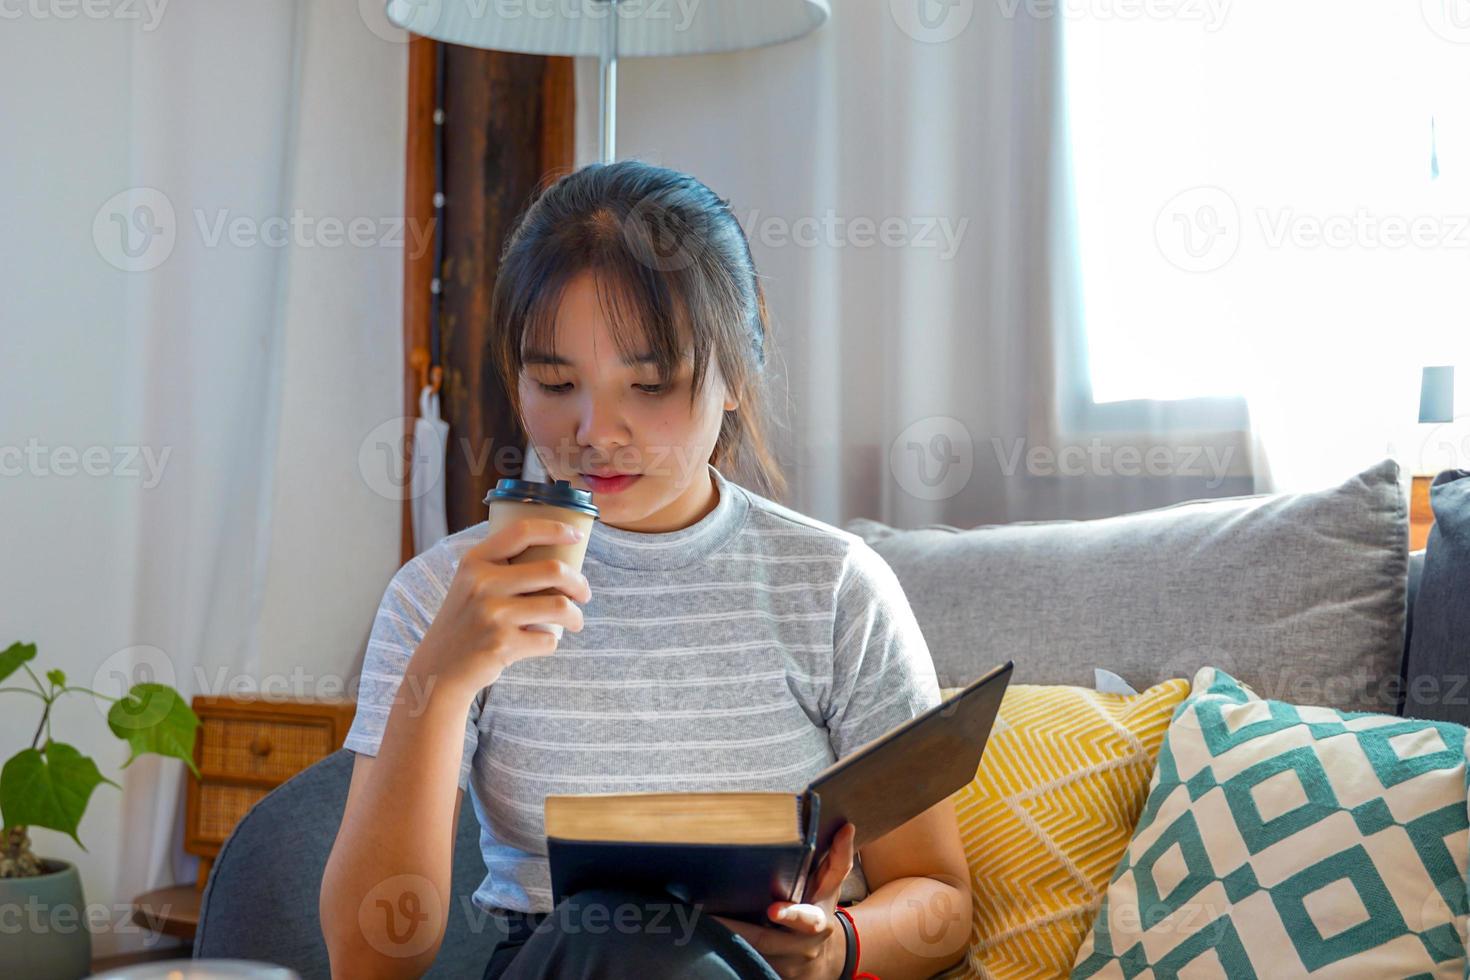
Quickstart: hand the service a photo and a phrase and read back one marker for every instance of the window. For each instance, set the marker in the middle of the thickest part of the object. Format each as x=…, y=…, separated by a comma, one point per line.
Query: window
x=1269, y=197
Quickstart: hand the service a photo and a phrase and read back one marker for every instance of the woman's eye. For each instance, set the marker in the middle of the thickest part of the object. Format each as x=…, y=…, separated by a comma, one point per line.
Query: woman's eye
x=563, y=387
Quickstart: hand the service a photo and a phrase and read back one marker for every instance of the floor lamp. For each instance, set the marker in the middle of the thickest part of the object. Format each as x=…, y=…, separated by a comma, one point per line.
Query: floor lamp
x=608, y=30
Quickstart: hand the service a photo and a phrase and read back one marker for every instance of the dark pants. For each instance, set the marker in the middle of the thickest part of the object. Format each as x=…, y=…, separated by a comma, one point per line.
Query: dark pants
x=613, y=934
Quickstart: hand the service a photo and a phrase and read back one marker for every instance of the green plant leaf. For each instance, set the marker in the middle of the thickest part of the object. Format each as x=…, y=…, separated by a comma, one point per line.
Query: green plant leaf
x=155, y=718
x=14, y=656
x=48, y=788
x=57, y=677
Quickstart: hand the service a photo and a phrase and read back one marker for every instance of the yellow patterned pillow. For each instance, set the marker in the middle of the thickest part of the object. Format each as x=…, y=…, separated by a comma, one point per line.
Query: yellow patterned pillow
x=1048, y=816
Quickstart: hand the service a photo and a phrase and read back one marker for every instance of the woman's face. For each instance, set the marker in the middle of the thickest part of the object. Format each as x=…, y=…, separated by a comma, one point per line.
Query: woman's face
x=594, y=413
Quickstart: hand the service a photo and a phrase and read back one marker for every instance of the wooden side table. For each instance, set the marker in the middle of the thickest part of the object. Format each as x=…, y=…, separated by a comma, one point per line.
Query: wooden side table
x=245, y=747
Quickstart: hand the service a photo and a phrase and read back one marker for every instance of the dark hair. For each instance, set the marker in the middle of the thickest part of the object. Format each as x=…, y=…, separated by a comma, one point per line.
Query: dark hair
x=669, y=258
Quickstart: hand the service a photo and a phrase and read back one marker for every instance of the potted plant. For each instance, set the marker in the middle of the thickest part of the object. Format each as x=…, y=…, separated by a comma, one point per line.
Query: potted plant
x=48, y=785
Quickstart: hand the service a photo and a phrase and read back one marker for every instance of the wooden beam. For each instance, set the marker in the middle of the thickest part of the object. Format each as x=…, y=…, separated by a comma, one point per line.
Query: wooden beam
x=510, y=127
x=418, y=269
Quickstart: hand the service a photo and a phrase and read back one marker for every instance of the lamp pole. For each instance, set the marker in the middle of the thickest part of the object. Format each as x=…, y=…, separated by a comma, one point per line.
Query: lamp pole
x=608, y=87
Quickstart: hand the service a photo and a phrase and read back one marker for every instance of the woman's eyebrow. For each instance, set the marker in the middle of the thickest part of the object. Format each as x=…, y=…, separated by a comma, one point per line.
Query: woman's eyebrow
x=540, y=357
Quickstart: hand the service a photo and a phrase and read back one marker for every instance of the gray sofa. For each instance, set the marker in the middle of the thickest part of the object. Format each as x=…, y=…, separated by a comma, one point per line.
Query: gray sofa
x=1289, y=594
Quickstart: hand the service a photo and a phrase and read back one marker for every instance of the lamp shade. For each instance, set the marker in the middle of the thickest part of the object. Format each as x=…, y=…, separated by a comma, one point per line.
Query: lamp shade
x=580, y=27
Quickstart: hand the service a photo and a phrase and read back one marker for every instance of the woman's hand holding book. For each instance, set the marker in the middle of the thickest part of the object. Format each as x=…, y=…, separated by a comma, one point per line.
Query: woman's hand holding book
x=808, y=943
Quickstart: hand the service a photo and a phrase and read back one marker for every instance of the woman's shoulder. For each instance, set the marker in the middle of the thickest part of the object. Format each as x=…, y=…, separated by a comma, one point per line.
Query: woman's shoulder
x=431, y=570
x=771, y=518
x=781, y=529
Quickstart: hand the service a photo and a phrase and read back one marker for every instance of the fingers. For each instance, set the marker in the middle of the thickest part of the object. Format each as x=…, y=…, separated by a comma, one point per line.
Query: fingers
x=546, y=609
x=549, y=573
x=511, y=539
x=774, y=943
x=836, y=866
x=799, y=916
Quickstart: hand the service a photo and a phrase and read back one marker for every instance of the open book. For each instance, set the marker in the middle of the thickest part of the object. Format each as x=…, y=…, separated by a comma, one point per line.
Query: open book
x=733, y=853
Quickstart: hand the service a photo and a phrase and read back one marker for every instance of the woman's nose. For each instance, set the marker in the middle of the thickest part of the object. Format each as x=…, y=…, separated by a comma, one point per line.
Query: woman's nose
x=601, y=423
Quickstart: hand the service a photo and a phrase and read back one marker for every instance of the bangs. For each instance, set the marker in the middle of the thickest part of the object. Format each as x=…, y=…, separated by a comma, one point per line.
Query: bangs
x=646, y=312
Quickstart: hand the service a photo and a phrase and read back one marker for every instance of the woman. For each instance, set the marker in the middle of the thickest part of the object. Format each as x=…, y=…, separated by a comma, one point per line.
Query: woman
x=722, y=641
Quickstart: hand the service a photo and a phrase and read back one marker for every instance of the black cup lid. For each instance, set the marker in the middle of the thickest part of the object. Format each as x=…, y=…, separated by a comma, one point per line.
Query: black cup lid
x=559, y=494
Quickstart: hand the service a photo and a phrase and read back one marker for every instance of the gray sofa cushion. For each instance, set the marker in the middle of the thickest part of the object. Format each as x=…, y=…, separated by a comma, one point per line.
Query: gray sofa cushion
x=1300, y=596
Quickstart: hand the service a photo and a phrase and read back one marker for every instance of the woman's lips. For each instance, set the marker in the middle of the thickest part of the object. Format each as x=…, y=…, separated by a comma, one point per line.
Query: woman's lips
x=613, y=484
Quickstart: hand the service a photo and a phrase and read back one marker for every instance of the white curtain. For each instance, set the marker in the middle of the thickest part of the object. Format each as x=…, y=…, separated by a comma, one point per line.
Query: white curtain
x=900, y=181
x=283, y=121
x=213, y=136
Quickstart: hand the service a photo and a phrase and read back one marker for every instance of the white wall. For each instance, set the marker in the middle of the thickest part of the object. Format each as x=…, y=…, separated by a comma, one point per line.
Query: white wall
x=67, y=540
x=70, y=375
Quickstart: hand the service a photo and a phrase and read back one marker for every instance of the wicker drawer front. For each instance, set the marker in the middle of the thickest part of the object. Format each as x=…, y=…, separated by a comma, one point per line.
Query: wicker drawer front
x=221, y=805
x=273, y=749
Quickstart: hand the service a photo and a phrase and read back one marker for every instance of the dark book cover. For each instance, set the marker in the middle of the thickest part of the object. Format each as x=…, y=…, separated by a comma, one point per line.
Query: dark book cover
x=878, y=788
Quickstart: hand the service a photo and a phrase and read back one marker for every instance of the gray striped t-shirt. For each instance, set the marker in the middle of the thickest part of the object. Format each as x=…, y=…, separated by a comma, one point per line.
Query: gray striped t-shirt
x=747, y=651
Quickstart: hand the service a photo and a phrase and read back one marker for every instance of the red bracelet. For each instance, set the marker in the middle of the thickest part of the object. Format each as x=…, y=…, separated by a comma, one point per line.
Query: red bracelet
x=857, y=957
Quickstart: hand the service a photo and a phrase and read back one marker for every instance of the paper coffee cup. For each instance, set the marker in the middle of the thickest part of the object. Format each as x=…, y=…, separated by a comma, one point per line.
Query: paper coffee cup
x=514, y=500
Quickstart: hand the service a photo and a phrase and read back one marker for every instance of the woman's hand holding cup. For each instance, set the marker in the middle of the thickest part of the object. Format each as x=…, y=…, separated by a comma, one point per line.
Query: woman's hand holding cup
x=480, y=627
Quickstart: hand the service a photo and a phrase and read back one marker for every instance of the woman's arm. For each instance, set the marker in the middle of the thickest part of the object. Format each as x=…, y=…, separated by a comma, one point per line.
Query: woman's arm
x=385, y=897
x=915, y=921
x=384, y=901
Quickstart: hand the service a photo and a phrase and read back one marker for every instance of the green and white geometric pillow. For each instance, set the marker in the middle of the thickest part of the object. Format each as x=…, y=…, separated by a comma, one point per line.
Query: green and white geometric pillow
x=1282, y=841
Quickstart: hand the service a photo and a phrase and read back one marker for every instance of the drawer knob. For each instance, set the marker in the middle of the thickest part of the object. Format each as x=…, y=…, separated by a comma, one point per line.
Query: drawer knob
x=260, y=745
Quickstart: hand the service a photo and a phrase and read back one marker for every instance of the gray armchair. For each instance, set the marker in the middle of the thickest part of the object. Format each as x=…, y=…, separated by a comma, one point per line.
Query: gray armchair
x=261, y=900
